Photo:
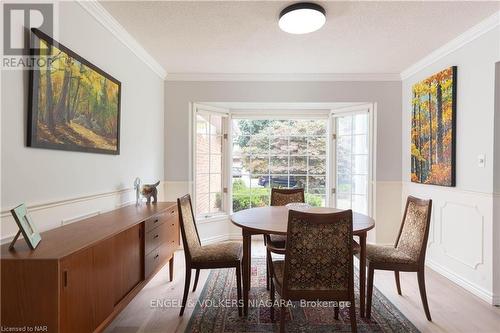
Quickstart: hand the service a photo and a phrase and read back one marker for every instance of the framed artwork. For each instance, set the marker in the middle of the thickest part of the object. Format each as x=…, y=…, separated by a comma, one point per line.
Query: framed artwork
x=26, y=227
x=73, y=104
x=433, y=129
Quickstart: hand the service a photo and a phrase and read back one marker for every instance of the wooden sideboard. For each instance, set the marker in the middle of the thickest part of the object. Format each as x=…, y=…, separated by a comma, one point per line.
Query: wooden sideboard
x=83, y=274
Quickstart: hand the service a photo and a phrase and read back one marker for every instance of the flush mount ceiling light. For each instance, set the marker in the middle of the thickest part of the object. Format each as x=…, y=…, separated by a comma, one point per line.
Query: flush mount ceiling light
x=302, y=18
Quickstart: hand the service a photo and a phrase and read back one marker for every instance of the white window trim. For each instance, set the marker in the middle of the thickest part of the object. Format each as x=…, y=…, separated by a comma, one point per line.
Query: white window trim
x=226, y=153
x=372, y=135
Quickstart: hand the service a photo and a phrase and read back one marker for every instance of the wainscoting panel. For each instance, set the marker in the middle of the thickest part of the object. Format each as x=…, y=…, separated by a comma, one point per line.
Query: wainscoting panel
x=470, y=221
x=460, y=239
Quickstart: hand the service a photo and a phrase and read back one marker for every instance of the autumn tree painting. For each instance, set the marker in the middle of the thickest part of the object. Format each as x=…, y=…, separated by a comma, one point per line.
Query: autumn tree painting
x=74, y=104
x=433, y=129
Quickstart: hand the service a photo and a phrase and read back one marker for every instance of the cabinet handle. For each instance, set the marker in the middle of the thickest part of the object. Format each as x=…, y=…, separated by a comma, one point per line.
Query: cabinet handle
x=156, y=256
x=156, y=236
x=155, y=221
x=65, y=279
x=172, y=212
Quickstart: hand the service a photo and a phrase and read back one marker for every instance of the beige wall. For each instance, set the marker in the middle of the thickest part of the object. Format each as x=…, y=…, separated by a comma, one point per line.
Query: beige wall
x=387, y=95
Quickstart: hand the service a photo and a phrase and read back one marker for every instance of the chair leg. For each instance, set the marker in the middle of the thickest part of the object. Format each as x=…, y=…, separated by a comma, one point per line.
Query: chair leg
x=336, y=312
x=186, y=289
x=273, y=299
x=352, y=316
x=238, y=288
x=423, y=294
x=196, y=277
x=371, y=272
x=282, y=318
x=398, y=283
x=267, y=271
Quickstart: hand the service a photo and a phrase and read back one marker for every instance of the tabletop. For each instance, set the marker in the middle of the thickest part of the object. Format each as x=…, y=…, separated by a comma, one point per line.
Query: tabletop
x=274, y=219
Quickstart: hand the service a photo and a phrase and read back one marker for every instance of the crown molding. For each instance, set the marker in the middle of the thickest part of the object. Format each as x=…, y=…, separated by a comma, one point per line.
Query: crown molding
x=468, y=36
x=282, y=77
x=110, y=23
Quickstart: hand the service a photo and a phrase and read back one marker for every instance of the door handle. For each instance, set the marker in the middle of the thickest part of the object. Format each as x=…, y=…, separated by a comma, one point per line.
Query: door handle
x=65, y=279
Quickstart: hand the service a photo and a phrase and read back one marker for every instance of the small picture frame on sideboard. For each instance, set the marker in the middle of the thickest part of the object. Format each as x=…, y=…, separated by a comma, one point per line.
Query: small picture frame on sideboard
x=26, y=227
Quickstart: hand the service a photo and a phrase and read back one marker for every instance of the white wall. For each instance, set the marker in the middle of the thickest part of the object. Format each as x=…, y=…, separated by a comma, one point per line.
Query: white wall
x=460, y=241
x=496, y=191
x=387, y=95
x=40, y=176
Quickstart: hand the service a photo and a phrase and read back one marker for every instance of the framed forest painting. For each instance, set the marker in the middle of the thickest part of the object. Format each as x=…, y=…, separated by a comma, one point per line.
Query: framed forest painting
x=73, y=104
x=433, y=129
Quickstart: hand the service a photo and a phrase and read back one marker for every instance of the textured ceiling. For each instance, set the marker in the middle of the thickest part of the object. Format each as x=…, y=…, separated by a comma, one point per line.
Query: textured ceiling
x=244, y=37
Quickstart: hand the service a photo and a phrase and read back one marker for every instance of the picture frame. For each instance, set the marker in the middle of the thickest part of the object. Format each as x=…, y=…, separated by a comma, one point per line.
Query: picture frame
x=434, y=129
x=26, y=227
x=73, y=105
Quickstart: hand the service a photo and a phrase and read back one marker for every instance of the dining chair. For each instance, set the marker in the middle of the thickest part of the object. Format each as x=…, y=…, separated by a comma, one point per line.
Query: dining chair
x=281, y=197
x=220, y=255
x=318, y=263
x=407, y=254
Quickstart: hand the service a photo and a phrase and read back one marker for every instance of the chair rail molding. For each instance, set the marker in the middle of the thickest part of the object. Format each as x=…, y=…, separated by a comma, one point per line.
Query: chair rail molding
x=54, y=214
x=42, y=206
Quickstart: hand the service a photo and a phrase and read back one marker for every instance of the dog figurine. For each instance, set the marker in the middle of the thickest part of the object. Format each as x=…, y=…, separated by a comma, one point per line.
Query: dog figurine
x=150, y=190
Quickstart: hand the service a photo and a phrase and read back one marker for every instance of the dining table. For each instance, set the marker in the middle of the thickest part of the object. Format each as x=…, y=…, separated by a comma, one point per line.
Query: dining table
x=274, y=220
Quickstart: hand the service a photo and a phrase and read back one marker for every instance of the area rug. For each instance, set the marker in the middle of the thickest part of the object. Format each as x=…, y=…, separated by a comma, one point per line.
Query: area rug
x=215, y=312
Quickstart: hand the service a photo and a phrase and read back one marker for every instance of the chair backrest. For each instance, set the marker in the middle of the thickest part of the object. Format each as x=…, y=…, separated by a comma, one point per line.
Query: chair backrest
x=284, y=196
x=318, y=259
x=414, y=231
x=189, y=232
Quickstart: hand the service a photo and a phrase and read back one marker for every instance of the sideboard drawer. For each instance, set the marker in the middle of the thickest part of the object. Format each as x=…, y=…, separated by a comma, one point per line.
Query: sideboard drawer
x=161, y=218
x=152, y=261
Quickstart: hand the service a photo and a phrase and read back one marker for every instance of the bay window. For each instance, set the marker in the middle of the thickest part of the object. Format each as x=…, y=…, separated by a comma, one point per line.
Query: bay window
x=238, y=157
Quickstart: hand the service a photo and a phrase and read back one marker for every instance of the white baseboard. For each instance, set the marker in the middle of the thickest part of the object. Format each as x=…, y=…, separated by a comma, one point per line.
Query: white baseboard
x=467, y=285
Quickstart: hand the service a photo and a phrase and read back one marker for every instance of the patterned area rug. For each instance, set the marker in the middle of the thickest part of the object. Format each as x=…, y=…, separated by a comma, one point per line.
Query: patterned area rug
x=214, y=311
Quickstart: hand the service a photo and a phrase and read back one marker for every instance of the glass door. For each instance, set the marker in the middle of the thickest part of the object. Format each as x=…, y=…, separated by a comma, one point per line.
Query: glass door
x=351, y=161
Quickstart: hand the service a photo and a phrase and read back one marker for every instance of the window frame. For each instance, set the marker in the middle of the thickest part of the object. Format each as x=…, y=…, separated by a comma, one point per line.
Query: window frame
x=299, y=114
x=370, y=110
x=225, y=154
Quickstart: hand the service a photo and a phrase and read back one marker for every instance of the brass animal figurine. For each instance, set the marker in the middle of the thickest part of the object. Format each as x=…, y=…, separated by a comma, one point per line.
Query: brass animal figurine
x=150, y=190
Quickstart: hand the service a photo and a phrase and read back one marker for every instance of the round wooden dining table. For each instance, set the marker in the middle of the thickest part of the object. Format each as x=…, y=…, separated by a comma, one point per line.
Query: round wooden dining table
x=274, y=220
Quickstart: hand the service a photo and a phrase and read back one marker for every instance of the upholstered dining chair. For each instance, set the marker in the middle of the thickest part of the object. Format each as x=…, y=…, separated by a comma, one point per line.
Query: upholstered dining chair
x=221, y=255
x=408, y=253
x=281, y=197
x=318, y=264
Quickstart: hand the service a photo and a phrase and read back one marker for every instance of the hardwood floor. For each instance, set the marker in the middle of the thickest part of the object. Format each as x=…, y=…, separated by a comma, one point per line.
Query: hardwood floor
x=452, y=308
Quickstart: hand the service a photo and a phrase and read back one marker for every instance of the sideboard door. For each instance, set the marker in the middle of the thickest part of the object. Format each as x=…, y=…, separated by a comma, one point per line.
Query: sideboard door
x=76, y=293
x=103, y=280
x=129, y=257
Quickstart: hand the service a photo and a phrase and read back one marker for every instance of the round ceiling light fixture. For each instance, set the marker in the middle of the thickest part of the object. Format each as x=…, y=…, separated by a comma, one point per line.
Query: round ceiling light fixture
x=302, y=18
